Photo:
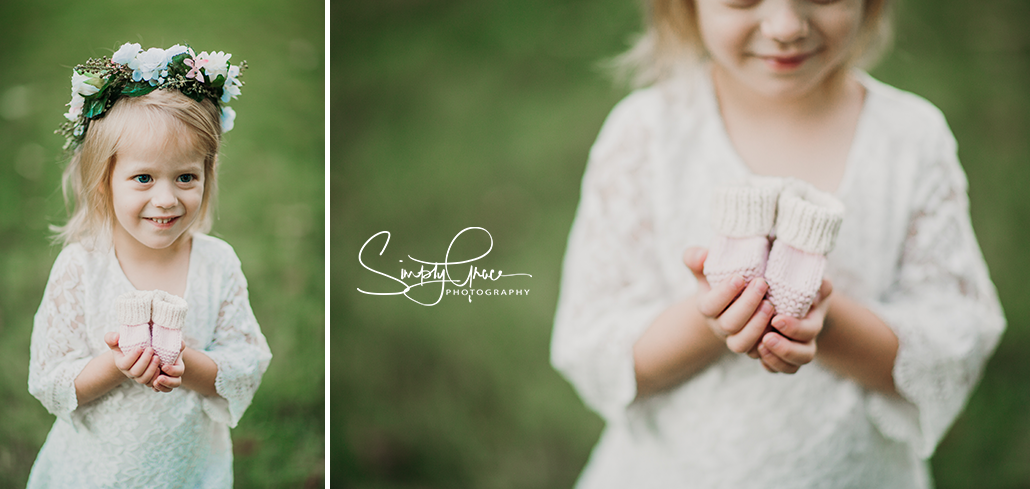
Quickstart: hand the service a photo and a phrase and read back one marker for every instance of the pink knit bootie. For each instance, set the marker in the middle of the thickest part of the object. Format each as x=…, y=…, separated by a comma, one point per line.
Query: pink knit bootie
x=807, y=223
x=133, y=311
x=169, y=317
x=742, y=216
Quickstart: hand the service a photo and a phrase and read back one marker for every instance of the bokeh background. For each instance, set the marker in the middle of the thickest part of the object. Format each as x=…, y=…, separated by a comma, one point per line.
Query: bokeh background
x=450, y=114
x=271, y=205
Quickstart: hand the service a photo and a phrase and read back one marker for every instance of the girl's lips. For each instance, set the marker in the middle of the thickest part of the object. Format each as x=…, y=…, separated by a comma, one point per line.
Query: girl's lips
x=785, y=63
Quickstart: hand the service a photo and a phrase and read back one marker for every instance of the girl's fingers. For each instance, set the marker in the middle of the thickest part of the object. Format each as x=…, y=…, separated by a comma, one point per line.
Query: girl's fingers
x=694, y=258
x=125, y=360
x=774, y=363
x=741, y=310
x=165, y=384
x=747, y=338
x=801, y=330
x=136, y=362
x=148, y=375
x=714, y=302
x=171, y=382
x=111, y=338
x=790, y=352
x=174, y=370
x=753, y=352
x=145, y=360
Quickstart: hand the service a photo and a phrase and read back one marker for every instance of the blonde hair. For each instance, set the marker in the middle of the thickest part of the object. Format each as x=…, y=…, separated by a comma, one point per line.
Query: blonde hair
x=188, y=126
x=671, y=41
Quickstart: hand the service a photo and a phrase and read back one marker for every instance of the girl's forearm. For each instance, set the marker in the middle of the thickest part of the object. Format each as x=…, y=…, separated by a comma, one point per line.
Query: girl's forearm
x=200, y=372
x=856, y=343
x=677, y=345
x=98, y=377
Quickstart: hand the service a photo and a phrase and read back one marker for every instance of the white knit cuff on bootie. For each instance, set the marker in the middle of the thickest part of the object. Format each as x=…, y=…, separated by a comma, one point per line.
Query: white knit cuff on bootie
x=746, y=210
x=133, y=312
x=169, y=317
x=807, y=218
x=742, y=217
x=807, y=224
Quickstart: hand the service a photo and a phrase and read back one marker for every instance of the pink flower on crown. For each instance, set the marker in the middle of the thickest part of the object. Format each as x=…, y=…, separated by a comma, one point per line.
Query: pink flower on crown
x=195, y=65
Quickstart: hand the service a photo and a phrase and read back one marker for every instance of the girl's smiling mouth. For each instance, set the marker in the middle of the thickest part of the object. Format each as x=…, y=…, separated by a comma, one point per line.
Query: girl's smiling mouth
x=786, y=62
x=162, y=221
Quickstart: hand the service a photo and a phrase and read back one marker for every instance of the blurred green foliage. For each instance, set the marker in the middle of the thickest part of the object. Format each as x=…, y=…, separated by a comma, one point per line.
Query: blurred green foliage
x=452, y=114
x=271, y=206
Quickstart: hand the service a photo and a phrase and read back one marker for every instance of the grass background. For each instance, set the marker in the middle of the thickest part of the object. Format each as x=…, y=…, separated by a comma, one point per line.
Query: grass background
x=450, y=114
x=271, y=205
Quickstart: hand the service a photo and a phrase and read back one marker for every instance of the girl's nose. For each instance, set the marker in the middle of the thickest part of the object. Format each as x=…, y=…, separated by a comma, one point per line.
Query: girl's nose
x=164, y=197
x=785, y=23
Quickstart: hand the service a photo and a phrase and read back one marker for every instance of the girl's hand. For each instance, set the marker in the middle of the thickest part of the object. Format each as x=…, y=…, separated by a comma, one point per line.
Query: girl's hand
x=736, y=314
x=792, y=343
x=171, y=375
x=140, y=365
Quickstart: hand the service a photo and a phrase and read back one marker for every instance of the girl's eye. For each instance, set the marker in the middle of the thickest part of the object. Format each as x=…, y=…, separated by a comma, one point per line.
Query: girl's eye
x=142, y=178
x=187, y=178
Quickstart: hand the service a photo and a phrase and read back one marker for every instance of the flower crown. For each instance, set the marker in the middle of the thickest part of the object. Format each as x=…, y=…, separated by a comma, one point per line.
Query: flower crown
x=132, y=72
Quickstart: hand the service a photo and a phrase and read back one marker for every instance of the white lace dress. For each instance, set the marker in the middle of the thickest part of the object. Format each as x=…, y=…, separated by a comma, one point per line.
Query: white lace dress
x=906, y=250
x=133, y=436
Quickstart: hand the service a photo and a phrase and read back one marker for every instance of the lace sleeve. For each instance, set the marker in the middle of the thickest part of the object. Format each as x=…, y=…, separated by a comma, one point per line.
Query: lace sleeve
x=943, y=309
x=59, y=348
x=611, y=287
x=240, y=351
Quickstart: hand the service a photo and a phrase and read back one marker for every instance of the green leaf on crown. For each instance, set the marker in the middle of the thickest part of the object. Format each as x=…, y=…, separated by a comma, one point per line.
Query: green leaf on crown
x=218, y=82
x=137, y=89
x=107, y=84
x=94, y=106
x=178, y=65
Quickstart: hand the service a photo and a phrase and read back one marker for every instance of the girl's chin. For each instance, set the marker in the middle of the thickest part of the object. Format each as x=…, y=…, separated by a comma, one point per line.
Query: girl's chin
x=785, y=88
x=158, y=243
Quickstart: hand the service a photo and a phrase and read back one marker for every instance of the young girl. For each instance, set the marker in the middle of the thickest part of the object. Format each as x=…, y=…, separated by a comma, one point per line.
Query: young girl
x=145, y=127
x=684, y=373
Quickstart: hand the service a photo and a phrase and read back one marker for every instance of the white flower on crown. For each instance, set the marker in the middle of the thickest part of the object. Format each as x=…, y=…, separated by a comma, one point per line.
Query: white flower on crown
x=85, y=85
x=228, y=119
x=75, y=107
x=126, y=53
x=217, y=64
x=148, y=65
x=174, y=51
